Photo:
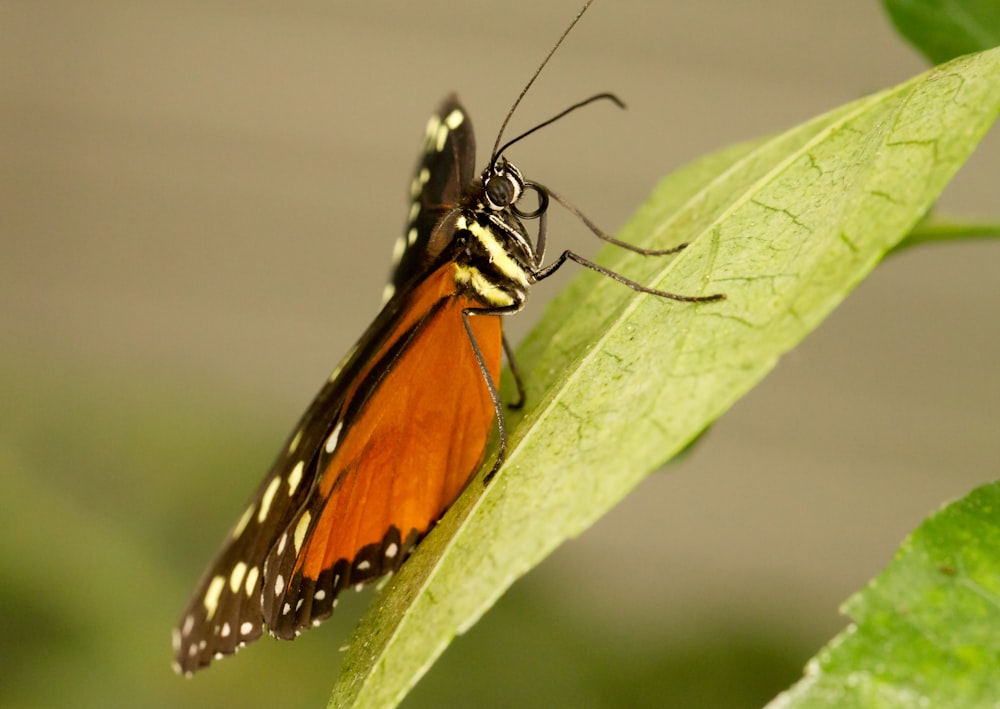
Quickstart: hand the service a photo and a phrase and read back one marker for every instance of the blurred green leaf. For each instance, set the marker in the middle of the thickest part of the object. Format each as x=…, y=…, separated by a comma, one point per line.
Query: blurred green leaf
x=944, y=29
x=535, y=649
x=104, y=544
x=619, y=382
x=927, y=629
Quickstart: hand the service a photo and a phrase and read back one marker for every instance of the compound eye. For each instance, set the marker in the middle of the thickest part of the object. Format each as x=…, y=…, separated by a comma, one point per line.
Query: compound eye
x=501, y=191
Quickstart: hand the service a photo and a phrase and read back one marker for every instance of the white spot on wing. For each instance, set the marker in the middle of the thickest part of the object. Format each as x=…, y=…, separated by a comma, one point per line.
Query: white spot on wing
x=225, y=630
x=398, y=249
x=242, y=524
x=236, y=578
x=251, y=584
x=298, y=604
x=433, y=123
x=320, y=595
x=211, y=600
x=279, y=585
x=364, y=565
x=246, y=628
x=265, y=501
x=391, y=550
x=442, y=136
x=286, y=609
x=411, y=236
x=388, y=292
x=295, y=442
x=454, y=119
x=295, y=477
x=300, y=530
x=281, y=543
x=331, y=442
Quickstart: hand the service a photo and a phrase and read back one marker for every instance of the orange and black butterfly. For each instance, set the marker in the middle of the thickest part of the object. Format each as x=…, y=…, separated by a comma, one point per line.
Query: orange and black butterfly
x=403, y=423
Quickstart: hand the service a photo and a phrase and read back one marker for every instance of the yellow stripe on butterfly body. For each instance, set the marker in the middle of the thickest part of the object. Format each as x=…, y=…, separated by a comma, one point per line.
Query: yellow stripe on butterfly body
x=500, y=258
x=473, y=278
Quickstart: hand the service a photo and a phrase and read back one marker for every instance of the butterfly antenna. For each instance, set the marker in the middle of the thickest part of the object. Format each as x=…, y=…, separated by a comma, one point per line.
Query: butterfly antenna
x=586, y=102
x=534, y=76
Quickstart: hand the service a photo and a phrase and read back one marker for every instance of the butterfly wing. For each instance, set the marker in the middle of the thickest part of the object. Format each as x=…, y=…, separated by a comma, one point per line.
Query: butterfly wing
x=446, y=167
x=384, y=448
x=412, y=442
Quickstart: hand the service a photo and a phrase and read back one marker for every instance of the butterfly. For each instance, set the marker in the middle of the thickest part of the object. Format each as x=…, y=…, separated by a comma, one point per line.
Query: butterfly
x=404, y=422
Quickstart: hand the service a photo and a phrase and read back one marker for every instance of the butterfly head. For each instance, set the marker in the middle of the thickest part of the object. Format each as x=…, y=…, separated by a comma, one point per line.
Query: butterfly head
x=504, y=186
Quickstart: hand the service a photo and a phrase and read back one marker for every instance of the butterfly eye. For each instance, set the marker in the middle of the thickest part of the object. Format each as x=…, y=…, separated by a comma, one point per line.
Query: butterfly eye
x=502, y=190
x=502, y=185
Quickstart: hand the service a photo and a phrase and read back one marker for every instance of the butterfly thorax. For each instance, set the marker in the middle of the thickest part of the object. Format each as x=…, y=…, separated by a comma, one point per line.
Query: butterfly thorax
x=496, y=259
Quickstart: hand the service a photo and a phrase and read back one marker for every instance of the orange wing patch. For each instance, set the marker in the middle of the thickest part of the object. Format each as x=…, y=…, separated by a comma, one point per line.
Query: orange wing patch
x=404, y=458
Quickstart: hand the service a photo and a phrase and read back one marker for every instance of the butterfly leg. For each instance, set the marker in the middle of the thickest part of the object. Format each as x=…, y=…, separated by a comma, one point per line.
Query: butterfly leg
x=509, y=351
x=491, y=386
x=572, y=256
x=601, y=234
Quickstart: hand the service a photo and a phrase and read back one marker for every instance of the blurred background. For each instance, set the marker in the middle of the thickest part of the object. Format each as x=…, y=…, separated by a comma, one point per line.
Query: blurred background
x=198, y=202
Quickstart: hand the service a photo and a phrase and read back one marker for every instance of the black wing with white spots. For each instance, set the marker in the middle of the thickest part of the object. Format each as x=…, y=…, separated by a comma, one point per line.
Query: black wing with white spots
x=225, y=611
x=446, y=167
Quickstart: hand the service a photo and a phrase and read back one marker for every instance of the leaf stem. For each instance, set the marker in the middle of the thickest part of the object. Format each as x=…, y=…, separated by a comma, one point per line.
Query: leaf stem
x=933, y=229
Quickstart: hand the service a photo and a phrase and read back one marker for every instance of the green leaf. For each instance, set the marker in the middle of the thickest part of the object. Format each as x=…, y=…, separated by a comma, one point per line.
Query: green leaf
x=619, y=382
x=944, y=29
x=927, y=629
